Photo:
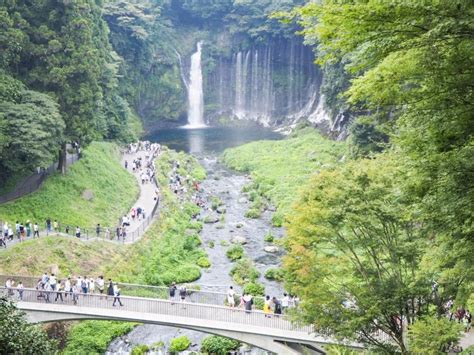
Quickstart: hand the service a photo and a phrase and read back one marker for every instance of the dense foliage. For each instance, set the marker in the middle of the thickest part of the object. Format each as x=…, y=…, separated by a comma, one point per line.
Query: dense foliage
x=378, y=233
x=61, y=51
x=17, y=336
x=214, y=344
x=93, y=337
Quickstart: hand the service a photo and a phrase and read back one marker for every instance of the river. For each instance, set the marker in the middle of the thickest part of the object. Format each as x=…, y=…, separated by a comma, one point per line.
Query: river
x=207, y=144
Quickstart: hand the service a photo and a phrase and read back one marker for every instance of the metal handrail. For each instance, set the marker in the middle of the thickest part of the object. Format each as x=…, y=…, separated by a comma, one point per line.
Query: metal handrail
x=158, y=306
x=156, y=292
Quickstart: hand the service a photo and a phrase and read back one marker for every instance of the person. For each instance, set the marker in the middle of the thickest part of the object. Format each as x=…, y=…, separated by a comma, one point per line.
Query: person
x=117, y=295
x=91, y=285
x=297, y=301
x=44, y=279
x=53, y=282
x=285, y=302
x=172, y=291
x=230, y=297
x=107, y=233
x=182, y=293
x=8, y=286
x=35, y=230
x=56, y=226
x=276, y=306
x=267, y=309
x=110, y=288
x=126, y=164
x=78, y=232
x=68, y=287
x=248, y=302
x=48, y=225
x=101, y=284
x=2, y=240
x=10, y=233
x=84, y=285
x=60, y=291
x=66, y=230
x=17, y=229
x=28, y=228
x=75, y=294
x=47, y=288
x=98, y=230
x=20, y=288
x=22, y=231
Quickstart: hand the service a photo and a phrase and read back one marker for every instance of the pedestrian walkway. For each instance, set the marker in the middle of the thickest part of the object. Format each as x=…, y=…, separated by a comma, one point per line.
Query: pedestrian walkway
x=146, y=201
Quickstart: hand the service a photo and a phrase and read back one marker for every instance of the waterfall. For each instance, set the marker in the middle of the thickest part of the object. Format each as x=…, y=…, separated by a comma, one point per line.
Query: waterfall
x=195, y=93
x=254, y=83
x=239, y=87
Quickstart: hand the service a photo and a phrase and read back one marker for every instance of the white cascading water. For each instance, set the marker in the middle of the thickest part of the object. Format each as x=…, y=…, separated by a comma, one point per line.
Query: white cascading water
x=195, y=92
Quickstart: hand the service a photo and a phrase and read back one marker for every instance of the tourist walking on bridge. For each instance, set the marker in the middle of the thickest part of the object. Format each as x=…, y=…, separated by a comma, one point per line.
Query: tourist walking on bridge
x=117, y=295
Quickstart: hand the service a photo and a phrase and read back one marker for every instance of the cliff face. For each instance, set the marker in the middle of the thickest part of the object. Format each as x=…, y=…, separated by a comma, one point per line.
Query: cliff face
x=272, y=84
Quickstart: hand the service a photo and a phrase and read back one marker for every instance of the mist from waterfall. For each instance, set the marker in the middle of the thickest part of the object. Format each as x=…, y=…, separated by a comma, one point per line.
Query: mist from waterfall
x=195, y=92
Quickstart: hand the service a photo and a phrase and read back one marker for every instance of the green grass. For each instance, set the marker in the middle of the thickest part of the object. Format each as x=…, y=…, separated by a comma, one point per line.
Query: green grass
x=114, y=192
x=235, y=252
x=280, y=168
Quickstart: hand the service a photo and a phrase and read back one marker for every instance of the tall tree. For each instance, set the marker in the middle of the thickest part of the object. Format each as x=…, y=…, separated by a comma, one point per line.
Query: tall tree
x=354, y=254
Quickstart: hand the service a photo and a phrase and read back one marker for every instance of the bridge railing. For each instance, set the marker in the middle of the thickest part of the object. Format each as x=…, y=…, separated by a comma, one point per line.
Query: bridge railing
x=194, y=293
x=155, y=306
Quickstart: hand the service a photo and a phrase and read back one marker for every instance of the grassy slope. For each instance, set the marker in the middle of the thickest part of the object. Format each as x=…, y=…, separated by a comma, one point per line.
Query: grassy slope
x=280, y=168
x=114, y=191
x=165, y=252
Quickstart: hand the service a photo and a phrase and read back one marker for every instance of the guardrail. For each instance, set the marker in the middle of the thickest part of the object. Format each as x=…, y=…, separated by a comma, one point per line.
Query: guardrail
x=35, y=181
x=161, y=307
x=193, y=295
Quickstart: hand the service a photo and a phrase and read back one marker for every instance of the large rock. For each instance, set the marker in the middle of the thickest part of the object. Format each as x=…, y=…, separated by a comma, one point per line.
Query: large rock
x=87, y=195
x=242, y=200
x=221, y=210
x=271, y=249
x=211, y=219
x=238, y=240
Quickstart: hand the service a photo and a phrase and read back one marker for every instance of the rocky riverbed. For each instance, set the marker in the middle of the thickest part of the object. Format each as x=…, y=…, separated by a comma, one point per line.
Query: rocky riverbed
x=226, y=226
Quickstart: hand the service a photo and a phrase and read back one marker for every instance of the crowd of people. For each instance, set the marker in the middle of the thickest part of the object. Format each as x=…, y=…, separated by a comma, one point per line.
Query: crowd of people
x=54, y=289
x=144, y=167
x=459, y=314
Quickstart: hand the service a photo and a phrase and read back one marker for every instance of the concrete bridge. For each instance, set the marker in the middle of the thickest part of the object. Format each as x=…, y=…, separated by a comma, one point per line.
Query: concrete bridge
x=275, y=334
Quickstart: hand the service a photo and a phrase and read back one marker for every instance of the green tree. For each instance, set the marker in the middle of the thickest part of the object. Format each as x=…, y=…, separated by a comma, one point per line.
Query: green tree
x=433, y=336
x=17, y=336
x=31, y=127
x=354, y=254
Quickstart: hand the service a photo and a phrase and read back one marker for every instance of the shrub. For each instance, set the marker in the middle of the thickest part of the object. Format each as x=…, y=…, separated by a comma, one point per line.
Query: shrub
x=269, y=237
x=179, y=344
x=277, y=219
x=253, y=213
x=244, y=271
x=224, y=243
x=235, y=252
x=274, y=273
x=204, y=262
x=140, y=349
x=214, y=344
x=255, y=289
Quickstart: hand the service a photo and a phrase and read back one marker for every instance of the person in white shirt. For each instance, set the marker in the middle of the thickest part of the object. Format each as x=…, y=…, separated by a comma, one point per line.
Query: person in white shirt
x=285, y=302
x=117, y=295
x=100, y=284
x=20, y=288
x=52, y=282
x=68, y=287
x=35, y=230
x=230, y=297
x=91, y=285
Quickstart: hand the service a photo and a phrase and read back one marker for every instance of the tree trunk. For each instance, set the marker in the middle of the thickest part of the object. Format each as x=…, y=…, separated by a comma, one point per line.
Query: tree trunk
x=62, y=163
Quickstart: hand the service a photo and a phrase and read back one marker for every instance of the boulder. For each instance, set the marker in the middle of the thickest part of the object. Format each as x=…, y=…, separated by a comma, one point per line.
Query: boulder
x=271, y=249
x=239, y=225
x=211, y=219
x=87, y=195
x=221, y=210
x=238, y=240
x=242, y=200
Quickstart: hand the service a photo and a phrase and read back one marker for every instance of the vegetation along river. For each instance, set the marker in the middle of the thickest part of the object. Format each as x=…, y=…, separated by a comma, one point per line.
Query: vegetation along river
x=226, y=186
